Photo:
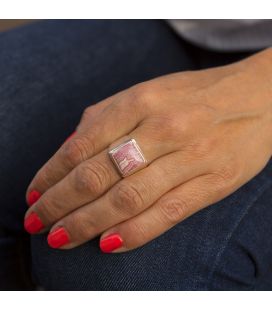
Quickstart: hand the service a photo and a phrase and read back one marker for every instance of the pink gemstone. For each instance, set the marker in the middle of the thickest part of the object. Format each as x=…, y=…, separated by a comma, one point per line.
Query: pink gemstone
x=128, y=157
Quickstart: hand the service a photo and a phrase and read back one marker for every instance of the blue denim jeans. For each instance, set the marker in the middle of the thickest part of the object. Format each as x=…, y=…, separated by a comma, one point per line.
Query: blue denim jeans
x=49, y=72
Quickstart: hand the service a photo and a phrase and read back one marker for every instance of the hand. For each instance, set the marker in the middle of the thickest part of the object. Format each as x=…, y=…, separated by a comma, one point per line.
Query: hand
x=205, y=134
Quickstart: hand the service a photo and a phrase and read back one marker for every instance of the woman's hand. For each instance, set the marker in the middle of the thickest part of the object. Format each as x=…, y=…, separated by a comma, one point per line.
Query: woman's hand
x=204, y=133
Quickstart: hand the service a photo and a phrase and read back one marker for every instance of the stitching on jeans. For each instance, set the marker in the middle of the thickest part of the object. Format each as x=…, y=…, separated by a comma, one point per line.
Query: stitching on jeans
x=221, y=252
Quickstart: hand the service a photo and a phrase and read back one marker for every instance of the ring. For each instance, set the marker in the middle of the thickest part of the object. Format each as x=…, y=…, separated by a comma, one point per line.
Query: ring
x=127, y=157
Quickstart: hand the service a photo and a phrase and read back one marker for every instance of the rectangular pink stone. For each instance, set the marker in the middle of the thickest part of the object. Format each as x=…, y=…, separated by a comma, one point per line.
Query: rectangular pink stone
x=128, y=157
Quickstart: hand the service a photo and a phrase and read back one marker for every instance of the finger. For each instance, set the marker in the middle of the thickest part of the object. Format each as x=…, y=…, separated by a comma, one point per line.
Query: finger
x=86, y=119
x=90, y=179
x=126, y=199
x=85, y=183
x=86, y=144
x=90, y=114
x=169, y=210
x=94, y=110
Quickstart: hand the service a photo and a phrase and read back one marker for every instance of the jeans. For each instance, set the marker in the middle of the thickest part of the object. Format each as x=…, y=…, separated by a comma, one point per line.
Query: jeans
x=49, y=73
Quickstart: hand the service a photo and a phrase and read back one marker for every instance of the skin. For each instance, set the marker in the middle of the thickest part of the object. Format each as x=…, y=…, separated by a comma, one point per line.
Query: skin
x=205, y=134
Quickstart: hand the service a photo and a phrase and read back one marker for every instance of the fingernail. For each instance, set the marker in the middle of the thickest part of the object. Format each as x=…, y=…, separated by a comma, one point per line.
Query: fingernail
x=71, y=135
x=33, y=223
x=32, y=197
x=58, y=238
x=111, y=243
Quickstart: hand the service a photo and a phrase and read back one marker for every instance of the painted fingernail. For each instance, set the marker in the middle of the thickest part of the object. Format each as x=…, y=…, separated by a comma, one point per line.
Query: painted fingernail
x=33, y=223
x=71, y=135
x=111, y=243
x=32, y=197
x=58, y=238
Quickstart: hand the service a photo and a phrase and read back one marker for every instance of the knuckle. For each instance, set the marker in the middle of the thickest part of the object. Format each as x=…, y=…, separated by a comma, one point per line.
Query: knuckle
x=91, y=177
x=173, y=127
x=226, y=174
x=173, y=210
x=225, y=178
x=87, y=113
x=45, y=177
x=165, y=128
x=127, y=198
x=76, y=150
x=144, y=94
x=81, y=227
x=49, y=210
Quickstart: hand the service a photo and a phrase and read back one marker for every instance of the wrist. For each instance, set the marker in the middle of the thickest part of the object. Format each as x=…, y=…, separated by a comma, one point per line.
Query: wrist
x=257, y=73
x=260, y=65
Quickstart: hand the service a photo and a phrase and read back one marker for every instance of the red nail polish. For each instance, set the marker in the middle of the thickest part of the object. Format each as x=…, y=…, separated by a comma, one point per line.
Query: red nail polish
x=33, y=223
x=32, y=197
x=71, y=135
x=111, y=243
x=58, y=238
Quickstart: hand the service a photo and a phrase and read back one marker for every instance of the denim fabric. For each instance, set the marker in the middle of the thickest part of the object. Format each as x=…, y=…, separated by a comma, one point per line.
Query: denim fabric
x=51, y=71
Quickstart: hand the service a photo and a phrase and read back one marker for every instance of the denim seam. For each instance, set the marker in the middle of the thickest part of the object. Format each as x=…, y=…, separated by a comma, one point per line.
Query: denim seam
x=223, y=249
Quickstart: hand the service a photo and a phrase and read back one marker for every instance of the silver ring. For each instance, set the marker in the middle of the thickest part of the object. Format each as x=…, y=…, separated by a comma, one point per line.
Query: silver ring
x=127, y=157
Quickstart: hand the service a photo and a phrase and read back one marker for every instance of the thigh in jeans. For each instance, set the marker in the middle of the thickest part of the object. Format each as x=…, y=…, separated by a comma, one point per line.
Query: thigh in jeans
x=49, y=72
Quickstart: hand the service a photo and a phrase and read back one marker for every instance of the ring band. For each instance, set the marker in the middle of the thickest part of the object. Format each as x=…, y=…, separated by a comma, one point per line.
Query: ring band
x=127, y=157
